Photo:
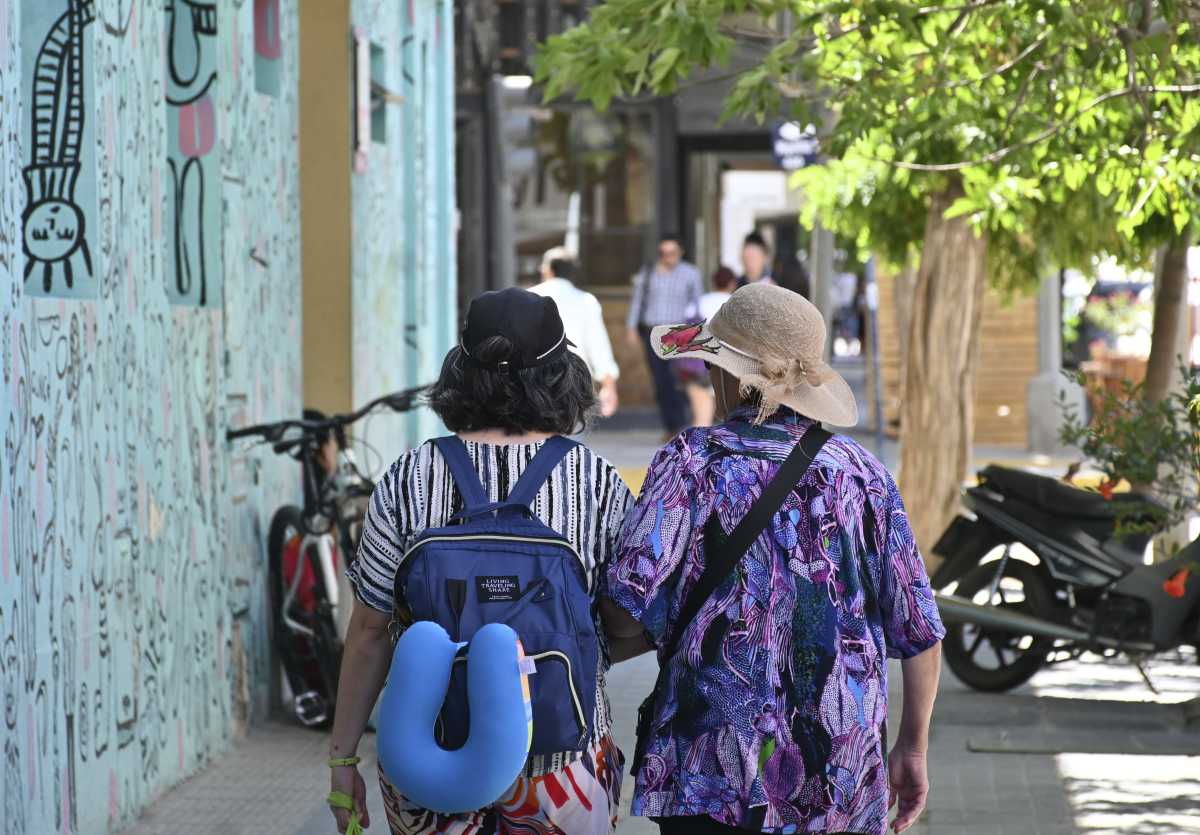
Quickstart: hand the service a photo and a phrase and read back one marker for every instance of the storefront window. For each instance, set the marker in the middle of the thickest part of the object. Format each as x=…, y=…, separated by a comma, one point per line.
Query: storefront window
x=583, y=180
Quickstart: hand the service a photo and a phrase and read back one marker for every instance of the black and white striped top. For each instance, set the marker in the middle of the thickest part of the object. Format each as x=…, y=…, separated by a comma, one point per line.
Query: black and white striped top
x=584, y=499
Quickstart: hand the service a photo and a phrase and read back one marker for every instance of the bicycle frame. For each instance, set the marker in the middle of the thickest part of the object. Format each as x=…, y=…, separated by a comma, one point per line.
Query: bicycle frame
x=323, y=546
x=323, y=501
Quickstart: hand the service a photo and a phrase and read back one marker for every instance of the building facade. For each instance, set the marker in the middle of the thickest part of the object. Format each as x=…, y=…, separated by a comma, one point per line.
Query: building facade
x=537, y=175
x=379, y=214
x=152, y=297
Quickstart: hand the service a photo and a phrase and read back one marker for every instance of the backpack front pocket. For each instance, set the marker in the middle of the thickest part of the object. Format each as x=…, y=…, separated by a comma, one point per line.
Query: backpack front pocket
x=560, y=720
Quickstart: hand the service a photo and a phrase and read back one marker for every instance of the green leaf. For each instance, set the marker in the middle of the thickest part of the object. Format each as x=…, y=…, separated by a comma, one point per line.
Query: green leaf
x=1074, y=173
x=962, y=206
x=664, y=64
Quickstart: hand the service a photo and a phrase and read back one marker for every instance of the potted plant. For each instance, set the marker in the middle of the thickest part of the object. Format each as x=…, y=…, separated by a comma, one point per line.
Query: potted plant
x=1152, y=446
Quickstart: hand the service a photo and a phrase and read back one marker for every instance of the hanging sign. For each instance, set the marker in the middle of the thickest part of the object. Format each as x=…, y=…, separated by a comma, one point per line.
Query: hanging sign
x=793, y=145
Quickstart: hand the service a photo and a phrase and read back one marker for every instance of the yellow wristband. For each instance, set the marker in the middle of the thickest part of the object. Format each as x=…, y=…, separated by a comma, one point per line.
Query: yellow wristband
x=334, y=762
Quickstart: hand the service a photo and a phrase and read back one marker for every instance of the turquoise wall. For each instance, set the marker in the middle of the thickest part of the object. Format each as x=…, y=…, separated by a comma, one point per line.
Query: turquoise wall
x=403, y=253
x=132, y=603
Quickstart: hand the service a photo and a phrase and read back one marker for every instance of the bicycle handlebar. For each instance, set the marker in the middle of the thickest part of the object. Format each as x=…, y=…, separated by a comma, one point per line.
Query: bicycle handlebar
x=398, y=401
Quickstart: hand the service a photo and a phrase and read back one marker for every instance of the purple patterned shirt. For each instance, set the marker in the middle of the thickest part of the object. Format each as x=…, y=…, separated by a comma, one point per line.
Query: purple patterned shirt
x=773, y=713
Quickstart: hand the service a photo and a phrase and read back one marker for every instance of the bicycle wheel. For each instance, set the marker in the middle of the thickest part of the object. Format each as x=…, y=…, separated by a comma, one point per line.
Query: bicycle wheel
x=301, y=618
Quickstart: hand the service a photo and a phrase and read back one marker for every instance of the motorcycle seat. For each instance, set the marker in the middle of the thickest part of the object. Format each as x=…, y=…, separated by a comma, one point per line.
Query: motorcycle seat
x=1060, y=498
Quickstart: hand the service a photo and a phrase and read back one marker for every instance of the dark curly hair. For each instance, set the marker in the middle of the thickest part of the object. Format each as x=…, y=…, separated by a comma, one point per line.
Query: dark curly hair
x=556, y=397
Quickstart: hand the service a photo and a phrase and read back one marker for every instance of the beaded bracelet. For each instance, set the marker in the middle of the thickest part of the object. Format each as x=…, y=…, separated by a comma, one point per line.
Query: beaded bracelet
x=334, y=762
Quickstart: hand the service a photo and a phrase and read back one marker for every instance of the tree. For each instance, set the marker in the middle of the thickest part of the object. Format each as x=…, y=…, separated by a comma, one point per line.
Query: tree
x=992, y=137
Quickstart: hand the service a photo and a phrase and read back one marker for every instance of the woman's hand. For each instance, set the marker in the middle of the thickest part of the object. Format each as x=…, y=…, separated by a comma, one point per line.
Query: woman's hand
x=608, y=397
x=908, y=779
x=365, y=661
x=346, y=779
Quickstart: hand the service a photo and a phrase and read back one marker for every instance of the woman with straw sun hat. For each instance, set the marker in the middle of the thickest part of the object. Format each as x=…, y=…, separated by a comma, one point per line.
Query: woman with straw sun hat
x=772, y=567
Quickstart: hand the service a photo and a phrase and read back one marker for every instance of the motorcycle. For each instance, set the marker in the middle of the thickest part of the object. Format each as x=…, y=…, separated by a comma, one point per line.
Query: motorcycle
x=1038, y=571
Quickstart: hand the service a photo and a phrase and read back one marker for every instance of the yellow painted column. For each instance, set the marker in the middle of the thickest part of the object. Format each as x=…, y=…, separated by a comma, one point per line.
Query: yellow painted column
x=325, y=157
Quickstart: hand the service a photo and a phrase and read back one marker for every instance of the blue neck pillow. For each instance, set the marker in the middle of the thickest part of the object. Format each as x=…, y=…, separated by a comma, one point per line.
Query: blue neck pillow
x=501, y=726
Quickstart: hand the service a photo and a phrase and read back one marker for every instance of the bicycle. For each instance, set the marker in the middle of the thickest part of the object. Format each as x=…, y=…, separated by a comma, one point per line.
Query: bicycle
x=302, y=548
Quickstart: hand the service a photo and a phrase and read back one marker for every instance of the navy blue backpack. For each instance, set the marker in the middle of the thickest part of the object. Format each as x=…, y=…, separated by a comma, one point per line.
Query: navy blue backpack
x=497, y=562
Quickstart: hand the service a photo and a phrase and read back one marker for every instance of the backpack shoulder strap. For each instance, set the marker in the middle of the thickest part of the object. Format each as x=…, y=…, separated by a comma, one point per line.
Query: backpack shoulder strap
x=548, y=457
x=462, y=470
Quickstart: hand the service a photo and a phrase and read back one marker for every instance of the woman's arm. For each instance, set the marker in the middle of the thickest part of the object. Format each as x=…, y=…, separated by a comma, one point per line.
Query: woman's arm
x=921, y=674
x=648, y=557
x=908, y=772
x=365, y=662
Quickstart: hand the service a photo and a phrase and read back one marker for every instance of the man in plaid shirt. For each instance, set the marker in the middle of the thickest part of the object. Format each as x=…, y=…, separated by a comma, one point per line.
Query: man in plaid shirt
x=664, y=293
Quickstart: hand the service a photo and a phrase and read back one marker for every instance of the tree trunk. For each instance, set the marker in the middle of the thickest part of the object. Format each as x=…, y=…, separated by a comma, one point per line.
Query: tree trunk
x=1170, y=299
x=1168, y=346
x=937, y=413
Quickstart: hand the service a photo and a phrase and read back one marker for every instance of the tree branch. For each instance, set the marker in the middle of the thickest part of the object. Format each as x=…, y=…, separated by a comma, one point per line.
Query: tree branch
x=759, y=35
x=1000, y=70
x=1131, y=68
x=1022, y=92
x=966, y=7
x=1041, y=136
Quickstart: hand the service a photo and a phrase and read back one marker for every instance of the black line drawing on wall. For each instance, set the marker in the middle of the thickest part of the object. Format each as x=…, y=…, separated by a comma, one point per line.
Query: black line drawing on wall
x=54, y=222
x=195, y=174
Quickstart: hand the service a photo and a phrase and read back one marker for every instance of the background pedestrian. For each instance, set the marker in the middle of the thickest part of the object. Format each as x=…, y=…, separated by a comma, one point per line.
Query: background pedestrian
x=583, y=319
x=665, y=291
x=756, y=261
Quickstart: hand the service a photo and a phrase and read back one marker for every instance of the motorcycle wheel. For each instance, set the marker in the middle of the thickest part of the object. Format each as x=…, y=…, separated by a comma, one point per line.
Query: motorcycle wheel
x=992, y=660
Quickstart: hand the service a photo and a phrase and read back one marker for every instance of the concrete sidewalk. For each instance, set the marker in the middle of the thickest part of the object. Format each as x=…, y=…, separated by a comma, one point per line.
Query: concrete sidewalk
x=275, y=781
x=1052, y=758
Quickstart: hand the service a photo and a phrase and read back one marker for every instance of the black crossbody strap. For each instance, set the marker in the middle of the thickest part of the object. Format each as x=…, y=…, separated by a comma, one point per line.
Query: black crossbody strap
x=718, y=564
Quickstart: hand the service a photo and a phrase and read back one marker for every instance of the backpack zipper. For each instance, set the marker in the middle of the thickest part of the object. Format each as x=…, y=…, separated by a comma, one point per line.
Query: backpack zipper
x=570, y=683
x=562, y=543
x=566, y=661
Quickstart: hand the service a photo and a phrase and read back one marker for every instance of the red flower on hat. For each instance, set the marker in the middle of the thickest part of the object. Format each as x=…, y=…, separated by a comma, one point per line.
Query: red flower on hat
x=685, y=339
x=1176, y=586
x=1107, y=487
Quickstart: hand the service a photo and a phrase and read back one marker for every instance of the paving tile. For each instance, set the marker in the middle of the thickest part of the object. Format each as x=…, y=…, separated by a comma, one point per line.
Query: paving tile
x=275, y=781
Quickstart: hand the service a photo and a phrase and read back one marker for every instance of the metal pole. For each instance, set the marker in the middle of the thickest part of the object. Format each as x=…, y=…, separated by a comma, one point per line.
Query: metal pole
x=822, y=278
x=873, y=334
x=502, y=250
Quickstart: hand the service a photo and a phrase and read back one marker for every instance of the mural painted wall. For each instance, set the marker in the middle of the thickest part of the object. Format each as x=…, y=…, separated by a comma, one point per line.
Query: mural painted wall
x=405, y=316
x=190, y=29
x=57, y=46
x=133, y=629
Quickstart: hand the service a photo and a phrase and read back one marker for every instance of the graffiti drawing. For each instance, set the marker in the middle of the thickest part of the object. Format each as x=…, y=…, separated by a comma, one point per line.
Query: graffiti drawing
x=60, y=191
x=195, y=204
x=268, y=46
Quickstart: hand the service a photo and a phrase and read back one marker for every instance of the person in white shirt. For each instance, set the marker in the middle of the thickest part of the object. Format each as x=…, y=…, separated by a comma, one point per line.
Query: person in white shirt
x=583, y=321
x=724, y=283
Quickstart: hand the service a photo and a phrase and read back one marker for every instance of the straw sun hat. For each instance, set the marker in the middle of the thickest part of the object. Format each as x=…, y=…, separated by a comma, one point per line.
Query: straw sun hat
x=773, y=341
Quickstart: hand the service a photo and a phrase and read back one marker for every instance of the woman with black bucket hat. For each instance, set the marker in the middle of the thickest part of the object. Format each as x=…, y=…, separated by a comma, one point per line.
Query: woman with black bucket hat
x=507, y=391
